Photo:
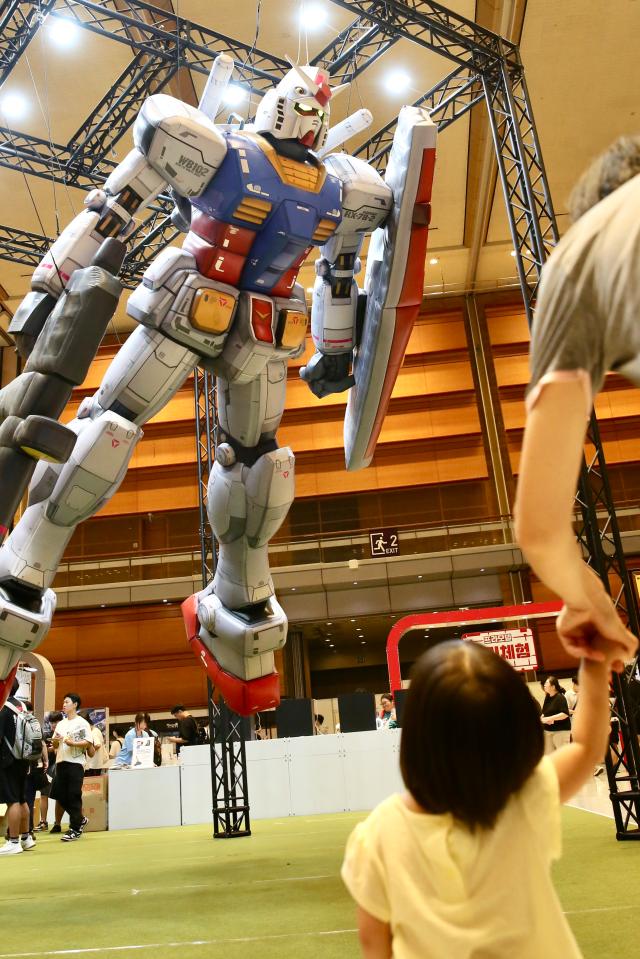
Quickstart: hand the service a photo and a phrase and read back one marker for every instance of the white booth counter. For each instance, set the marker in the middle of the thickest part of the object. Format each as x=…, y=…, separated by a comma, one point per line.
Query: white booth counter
x=286, y=777
x=141, y=798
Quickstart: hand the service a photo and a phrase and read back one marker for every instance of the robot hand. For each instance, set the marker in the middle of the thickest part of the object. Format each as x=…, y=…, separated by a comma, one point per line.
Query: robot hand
x=327, y=373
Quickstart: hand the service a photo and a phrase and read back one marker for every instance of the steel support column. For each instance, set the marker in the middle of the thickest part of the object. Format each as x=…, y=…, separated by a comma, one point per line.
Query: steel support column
x=228, y=757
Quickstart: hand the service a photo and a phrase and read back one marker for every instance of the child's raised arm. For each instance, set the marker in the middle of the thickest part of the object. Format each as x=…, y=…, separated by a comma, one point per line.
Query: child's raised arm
x=374, y=935
x=589, y=731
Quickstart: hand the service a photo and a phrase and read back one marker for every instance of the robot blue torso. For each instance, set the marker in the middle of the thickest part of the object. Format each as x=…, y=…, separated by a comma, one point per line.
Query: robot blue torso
x=261, y=215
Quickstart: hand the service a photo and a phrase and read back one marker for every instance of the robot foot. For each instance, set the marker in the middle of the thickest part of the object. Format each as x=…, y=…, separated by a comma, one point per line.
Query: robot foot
x=243, y=695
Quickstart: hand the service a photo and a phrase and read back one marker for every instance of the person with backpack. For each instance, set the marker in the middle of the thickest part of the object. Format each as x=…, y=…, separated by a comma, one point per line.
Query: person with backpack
x=72, y=742
x=19, y=732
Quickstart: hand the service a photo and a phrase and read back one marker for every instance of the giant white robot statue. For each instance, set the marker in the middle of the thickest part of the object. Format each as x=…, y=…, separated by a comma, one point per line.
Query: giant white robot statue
x=253, y=202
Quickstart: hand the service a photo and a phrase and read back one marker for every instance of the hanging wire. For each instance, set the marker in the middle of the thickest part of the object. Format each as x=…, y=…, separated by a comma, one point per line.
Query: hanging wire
x=248, y=61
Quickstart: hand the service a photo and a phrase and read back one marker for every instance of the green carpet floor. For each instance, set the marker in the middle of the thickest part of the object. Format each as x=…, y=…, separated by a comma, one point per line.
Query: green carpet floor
x=169, y=893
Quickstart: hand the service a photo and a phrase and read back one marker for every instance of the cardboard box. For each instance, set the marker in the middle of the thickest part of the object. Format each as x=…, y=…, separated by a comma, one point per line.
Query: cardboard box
x=95, y=786
x=95, y=809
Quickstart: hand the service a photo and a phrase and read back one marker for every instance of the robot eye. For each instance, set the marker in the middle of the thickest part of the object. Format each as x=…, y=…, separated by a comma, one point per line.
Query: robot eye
x=299, y=90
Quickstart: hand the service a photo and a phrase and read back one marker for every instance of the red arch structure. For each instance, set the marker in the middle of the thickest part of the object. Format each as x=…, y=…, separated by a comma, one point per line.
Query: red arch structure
x=457, y=617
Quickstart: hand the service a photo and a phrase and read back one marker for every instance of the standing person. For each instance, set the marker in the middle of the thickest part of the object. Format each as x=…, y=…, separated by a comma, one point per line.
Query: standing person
x=36, y=778
x=571, y=695
x=71, y=741
x=137, y=731
x=51, y=720
x=13, y=778
x=187, y=729
x=586, y=324
x=96, y=763
x=555, y=716
x=459, y=866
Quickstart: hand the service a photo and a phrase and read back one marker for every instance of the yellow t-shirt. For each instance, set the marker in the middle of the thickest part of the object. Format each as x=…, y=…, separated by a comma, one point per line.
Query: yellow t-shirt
x=451, y=894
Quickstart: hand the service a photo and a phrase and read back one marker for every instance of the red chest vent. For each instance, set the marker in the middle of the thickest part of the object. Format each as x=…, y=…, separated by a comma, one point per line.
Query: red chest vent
x=262, y=319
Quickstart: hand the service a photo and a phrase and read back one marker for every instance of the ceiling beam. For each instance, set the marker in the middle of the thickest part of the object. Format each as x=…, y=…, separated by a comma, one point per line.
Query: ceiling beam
x=501, y=16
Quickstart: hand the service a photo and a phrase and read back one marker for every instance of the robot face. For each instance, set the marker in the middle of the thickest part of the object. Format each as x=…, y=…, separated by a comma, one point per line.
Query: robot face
x=298, y=108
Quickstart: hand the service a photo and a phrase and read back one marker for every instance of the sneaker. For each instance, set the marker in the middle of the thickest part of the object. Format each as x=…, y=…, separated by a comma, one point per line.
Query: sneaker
x=85, y=822
x=28, y=843
x=42, y=826
x=10, y=848
x=56, y=828
x=71, y=836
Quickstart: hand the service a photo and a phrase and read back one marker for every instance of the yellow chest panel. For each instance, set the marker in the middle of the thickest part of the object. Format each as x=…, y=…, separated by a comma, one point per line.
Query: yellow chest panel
x=304, y=176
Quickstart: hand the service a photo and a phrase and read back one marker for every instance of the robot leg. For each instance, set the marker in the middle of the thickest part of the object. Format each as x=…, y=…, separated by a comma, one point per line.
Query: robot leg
x=241, y=621
x=29, y=558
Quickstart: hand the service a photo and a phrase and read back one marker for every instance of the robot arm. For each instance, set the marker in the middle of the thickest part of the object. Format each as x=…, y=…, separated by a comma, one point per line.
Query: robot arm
x=366, y=202
x=175, y=145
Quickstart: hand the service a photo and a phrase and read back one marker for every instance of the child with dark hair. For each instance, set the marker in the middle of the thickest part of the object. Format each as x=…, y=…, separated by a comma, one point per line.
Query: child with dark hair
x=459, y=865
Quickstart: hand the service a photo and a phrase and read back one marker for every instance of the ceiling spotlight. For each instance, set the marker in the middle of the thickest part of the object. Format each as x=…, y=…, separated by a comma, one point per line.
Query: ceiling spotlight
x=363, y=642
x=64, y=33
x=309, y=289
x=512, y=253
x=14, y=106
x=434, y=261
x=313, y=16
x=397, y=81
x=482, y=569
x=331, y=646
x=329, y=624
x=165, y=600
x=420, y=577
x=355, y=582
x=293, y=589
x=234, y=95
x=353, y=620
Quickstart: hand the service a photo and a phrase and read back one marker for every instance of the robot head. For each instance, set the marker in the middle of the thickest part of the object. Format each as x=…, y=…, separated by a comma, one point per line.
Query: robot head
x=298, y=108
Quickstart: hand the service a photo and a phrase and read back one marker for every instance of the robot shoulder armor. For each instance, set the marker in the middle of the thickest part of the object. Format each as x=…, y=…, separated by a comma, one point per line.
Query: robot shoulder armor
x=180, y=142
x=366, y=198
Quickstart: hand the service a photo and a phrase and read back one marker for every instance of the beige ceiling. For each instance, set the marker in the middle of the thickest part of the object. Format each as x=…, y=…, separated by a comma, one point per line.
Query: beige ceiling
x=583, y=74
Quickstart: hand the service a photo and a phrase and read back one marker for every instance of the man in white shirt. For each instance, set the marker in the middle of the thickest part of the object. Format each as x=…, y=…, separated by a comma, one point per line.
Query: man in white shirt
x=71, y=740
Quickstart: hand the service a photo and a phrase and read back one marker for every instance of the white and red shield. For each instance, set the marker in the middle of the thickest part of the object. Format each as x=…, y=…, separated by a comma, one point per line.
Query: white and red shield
x=394, y=282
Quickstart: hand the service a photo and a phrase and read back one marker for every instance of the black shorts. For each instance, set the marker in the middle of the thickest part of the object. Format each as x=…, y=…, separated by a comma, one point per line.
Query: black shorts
x=66, y=787
x=12, y=782
x=40, y=781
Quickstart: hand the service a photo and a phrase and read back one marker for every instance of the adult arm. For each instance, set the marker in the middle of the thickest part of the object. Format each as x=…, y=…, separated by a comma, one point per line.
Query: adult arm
x=549, y=469
x=374, y=936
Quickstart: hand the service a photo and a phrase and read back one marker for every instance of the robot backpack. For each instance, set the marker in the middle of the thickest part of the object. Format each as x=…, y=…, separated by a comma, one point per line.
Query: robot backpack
x=27, y=744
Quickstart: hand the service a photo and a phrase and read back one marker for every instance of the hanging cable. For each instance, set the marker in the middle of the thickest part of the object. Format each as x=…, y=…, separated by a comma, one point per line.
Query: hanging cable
x=248, y=61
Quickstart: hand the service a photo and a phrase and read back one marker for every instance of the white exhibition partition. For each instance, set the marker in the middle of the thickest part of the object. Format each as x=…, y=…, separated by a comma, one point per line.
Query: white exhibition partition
x=286, y=777
x=140, y=798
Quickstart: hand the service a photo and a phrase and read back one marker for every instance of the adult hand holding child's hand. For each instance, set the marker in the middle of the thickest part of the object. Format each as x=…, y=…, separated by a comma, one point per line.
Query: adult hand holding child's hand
x=584, y=627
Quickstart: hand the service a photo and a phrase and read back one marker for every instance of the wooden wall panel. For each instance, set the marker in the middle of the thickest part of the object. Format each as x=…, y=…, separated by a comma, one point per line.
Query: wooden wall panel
x=128, y=659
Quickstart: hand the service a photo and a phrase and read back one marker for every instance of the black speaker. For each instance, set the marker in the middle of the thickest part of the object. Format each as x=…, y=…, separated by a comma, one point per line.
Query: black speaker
x=357, y=712
x=294, y=717
x=399, y=699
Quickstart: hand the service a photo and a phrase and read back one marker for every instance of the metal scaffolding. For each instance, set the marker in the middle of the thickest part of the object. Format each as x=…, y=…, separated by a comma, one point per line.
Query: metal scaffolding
x=229, y=791
x=487, y=68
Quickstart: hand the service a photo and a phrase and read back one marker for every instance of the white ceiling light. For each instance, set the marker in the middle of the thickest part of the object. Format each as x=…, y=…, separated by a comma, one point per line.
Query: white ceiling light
x=14, y=106
x=234, y=95
x=397, y=81
x=64, y=33
x=434, y=261
x=313, y=16
x=512, y=253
